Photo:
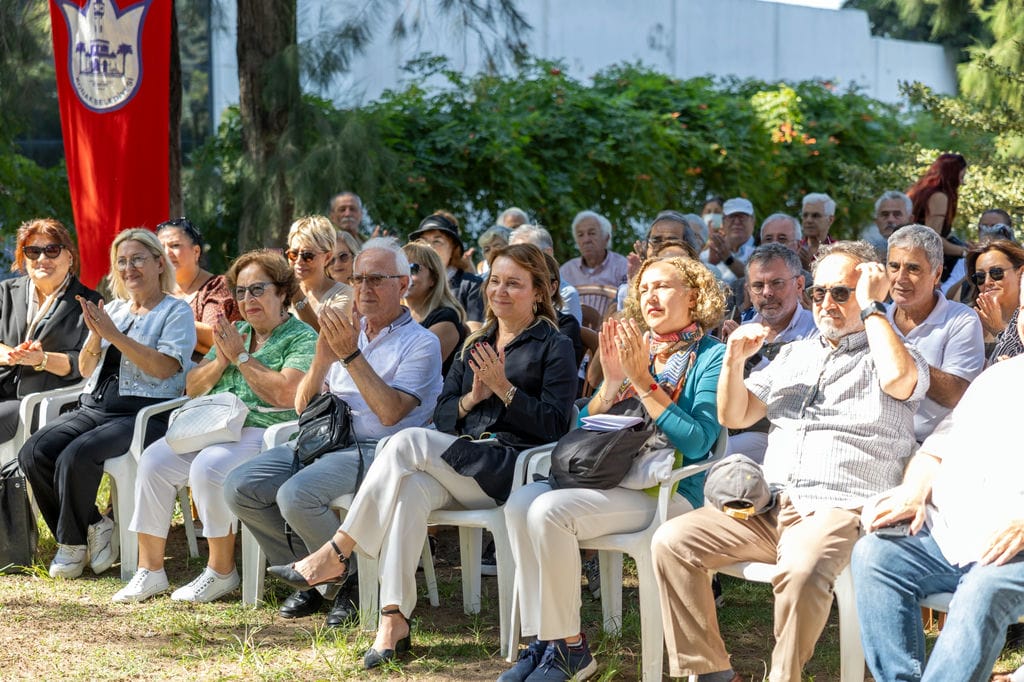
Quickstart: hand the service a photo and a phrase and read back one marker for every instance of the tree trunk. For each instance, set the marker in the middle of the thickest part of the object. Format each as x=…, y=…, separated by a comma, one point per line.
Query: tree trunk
x=174, y=133
x=268, y=93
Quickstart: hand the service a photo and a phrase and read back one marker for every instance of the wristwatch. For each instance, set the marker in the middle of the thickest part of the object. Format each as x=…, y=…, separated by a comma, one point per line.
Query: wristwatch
x=873, y=308
x=242, y=358
x=730, y=260
x=300, y=304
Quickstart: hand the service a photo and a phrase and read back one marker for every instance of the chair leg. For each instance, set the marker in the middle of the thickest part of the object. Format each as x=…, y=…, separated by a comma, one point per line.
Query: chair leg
x=470, y=546
x=652, y=635
x=253, y=569
x=506, y=575
x=429, y=575
x=610, y=564
x=124, y=509
x=190, y=527
x=515, y=625
x=851, y=651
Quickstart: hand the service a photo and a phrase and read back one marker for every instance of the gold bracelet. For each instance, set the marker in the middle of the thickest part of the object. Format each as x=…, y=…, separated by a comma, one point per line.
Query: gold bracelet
x=461, y=406
x=95, y=354
x=42, y=365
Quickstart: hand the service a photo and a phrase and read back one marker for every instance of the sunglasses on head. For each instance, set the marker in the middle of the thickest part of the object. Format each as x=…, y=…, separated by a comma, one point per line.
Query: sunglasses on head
x=840, y=294
x=186, y=226
x=51, y=251
x=295, y=254
x=995, y=273
x=256, y=290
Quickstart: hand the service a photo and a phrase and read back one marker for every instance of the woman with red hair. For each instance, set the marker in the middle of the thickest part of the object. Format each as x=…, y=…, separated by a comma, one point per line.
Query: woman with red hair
x=935, y=198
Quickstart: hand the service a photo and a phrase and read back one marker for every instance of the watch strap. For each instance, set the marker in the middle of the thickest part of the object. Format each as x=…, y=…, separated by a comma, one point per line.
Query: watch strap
x=873, y=308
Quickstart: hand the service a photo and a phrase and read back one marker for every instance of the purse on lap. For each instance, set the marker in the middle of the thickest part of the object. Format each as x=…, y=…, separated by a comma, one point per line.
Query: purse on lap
x=206, y=421
x=18, y=533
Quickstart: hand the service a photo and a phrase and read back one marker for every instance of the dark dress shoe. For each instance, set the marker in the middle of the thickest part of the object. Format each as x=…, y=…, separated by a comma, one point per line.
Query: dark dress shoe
x=302, y=603
x=345, y=609
x=374, y=658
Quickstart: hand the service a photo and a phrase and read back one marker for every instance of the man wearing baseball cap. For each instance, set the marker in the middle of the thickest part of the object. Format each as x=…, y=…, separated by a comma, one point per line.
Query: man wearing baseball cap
x=729, y=249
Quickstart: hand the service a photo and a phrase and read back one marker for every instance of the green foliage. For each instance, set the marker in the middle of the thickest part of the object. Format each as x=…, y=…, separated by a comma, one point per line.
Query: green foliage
x=629, y=144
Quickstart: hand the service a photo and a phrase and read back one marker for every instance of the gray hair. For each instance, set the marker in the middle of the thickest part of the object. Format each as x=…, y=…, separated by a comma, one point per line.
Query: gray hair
x=513, y=211
x=766, y=253
x=798, y=232
x=893, y=195
x=532, y=234
x=919, y=237
x=860, y=251
x=700, y=228
x=330, y=204
x=491, y=233
x=606, y=226
x=815, y=197
x=391, y=245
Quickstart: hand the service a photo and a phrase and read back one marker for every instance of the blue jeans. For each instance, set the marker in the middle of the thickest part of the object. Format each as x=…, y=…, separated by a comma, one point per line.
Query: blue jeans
x=892, y=575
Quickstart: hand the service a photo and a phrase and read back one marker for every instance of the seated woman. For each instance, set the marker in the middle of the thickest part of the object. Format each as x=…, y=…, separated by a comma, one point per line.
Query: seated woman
x=567, y=324
x=136, y=355
x=261, y=360
x=311, y=244
x=515, y=380
x=431, y=301
x=995, y=269
x=41, y=328
x=345, y=251
x=661, y=354
x=207, y=294
x=440, y=231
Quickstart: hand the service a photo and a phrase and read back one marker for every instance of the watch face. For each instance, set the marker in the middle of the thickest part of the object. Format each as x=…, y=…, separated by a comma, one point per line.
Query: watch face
x=243, y=357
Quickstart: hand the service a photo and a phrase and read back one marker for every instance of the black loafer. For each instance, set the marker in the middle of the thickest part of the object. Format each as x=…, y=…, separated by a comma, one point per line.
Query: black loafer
x=344, y=610
x=302, y=603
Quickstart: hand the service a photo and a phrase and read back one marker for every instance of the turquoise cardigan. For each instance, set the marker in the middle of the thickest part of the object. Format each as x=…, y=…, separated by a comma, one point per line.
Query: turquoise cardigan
x=691, y=423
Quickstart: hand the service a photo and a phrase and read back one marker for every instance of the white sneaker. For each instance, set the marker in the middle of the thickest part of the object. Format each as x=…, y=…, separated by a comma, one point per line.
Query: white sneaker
x=101, y=554
x=143, y=585
x=69, y=561
x=207, y=586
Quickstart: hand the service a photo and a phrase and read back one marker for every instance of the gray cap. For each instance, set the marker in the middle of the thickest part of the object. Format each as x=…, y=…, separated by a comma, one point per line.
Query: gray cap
x=736, y=486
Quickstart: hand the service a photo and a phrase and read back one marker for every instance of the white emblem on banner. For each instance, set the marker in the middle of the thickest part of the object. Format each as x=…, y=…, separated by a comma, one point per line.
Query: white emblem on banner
x=104, y=50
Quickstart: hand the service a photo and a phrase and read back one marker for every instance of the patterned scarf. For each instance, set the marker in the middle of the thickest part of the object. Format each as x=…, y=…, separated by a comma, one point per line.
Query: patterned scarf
x=672, y=377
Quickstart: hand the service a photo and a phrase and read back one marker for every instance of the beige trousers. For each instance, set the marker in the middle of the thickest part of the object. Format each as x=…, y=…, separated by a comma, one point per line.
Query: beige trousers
x=809, y=551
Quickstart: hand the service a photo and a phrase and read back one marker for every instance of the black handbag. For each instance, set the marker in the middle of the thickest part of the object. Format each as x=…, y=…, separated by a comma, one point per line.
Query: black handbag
x=600, y=459
x=324, y=426
x=18, y=533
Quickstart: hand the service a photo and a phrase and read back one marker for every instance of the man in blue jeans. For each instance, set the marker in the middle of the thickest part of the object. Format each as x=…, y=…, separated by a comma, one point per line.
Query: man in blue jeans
x=963, y=496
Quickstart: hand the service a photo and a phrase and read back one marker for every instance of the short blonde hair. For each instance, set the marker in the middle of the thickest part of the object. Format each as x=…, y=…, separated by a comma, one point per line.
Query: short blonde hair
x=315, y=229
x=710, y=306
x=149, y=240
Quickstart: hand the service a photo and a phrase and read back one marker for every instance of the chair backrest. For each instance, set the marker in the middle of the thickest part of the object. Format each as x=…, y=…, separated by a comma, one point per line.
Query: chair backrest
x=597, y=302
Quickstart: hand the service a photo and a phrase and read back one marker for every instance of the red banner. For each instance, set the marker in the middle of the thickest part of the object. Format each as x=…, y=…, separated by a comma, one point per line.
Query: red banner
x=113, y=83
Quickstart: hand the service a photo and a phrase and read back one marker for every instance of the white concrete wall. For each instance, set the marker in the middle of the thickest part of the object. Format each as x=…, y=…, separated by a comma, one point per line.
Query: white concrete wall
x=686, y=38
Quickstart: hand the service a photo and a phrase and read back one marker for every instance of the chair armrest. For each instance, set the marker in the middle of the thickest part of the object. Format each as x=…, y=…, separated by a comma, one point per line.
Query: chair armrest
x=142, y=422
x=279, y=434
x=525, y=463
x=49, y=402
x=668, y=487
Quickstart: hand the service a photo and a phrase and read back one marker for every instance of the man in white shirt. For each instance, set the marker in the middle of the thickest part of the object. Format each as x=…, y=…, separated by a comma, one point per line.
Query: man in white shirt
x=948, y=334
x=388, y=369
x=596, y=264
x=963, y=497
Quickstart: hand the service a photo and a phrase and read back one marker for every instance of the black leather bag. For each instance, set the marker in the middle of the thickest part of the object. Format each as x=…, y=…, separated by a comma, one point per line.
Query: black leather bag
x=324, y=426
x=600, y=459
x=18, y=533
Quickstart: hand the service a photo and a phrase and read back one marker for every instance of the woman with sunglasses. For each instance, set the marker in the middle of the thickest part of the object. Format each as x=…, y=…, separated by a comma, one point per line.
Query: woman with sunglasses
x=41, y=328
x=995, y=268
x=207, y=294
x=311, y=244
x=137, y=354
x=513, y=381
x=345, y=251
x=261, y=360
x=431, y=302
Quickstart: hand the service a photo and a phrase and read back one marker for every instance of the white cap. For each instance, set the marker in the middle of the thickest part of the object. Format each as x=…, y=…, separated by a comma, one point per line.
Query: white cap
x=738, y=205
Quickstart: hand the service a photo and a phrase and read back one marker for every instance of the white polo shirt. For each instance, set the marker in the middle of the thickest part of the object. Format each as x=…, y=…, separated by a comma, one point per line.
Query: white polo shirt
x=406, y=357
x=950, y=339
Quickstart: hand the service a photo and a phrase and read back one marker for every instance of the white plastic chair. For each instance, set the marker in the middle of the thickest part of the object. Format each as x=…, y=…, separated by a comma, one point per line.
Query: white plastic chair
x=50, y=409
x=122, y=471
x=638, y=545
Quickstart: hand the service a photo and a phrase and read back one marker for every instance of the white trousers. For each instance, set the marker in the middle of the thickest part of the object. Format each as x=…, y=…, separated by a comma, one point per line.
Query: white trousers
x=545, y=527
x=388, y=519
x=162, y=472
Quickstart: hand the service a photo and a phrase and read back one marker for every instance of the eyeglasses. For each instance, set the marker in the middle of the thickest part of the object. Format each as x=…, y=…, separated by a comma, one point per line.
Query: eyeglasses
x=256, y=290
x=51, y=251
x=306, y=256
x=979, y=275
x=840, y=294
x=658, y=241
x=774, y=285
x=136, y=262
x=372, y=281
x=415, y=268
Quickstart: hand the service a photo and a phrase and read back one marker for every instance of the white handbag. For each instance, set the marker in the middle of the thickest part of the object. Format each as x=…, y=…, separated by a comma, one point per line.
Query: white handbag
x=205, y=421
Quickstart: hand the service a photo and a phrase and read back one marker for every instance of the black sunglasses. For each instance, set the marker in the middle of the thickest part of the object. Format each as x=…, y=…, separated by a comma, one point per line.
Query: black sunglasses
x=414, y=268
x=978, y=277
x=840, y=294
x=52, y=251
x=186, y=226
x=306, y=256
x=257, y=290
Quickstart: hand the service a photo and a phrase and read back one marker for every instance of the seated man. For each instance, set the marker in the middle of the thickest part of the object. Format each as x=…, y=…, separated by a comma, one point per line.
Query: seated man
x=948, y=334
x=388, y=369
x=774, y=284
x=729, y=248
x=964, y=499
x=841, y=406
x=596, y=264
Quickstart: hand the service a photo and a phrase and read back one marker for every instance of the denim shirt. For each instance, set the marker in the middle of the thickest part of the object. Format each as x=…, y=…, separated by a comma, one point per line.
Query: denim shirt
x=169, y=328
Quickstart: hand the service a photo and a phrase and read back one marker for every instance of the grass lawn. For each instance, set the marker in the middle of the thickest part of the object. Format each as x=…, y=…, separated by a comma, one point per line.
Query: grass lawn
x=57, y=629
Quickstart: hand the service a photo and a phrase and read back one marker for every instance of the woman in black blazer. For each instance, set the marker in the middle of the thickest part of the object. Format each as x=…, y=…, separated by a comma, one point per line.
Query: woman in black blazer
x=41, y=329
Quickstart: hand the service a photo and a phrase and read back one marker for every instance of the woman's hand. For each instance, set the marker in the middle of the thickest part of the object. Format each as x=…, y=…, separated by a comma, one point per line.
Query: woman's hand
x=27, y=353
x=477, y=394
x=634, y=354
x=610, y=364
x=97, y=320
x=990, y=312
x=228, y=339
x=489, y=366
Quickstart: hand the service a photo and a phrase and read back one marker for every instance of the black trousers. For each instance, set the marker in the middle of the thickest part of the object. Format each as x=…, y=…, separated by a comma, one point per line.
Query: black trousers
x=63, y=462
x=8, y=418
